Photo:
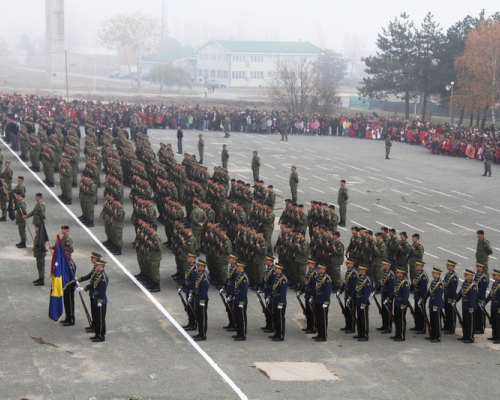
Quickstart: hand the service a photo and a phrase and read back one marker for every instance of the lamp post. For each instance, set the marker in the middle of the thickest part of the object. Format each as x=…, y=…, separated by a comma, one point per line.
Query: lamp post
x=450, y=87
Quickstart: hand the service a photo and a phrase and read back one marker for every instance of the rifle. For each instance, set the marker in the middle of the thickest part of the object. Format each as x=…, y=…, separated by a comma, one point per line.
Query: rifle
x=224, y=301
x=301, y=305
x=426, y=319
x=460, y=320
x=378, y=304
x=261, y=303
x=231, y=310
x=485, y=313
x=341, y=305
x=390, y=313
x=353, y=315
x=412, y=312
x=186, y=308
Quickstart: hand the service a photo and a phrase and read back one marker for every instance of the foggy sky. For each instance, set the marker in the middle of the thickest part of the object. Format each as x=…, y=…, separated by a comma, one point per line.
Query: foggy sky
x=322, y=22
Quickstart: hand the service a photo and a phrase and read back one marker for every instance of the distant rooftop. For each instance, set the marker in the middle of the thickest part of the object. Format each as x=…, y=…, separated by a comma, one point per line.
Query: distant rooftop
x=171, y=55
x=248, y=46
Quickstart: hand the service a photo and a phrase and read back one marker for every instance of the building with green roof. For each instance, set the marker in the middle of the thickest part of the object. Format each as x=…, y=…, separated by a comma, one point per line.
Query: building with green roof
x=184, y=57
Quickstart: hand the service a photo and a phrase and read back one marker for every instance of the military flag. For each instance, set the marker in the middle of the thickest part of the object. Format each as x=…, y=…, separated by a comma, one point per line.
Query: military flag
x=13, y=206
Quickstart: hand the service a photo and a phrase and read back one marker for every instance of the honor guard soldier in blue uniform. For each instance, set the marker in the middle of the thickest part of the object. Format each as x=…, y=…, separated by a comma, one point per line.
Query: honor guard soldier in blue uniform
x=362, y=302
x=468, y=295
x=482, y=282
x=321, y=299
x=494, y=297
x=450, y=285
x=348, y=287
x=419, y=287
x=188, y=287
x=100, y=299
x=69, y=290
x=386, y=288
x=201, y=298
x=241, y=302
x=436, y=304
x=401, y=297
x=94, y=257
x=266, y=287
x=280, y=287
x=228, y=288
x=308, y=288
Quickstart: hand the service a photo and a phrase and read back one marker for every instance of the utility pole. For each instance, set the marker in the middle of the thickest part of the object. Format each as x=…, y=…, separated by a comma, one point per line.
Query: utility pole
x=67, y=84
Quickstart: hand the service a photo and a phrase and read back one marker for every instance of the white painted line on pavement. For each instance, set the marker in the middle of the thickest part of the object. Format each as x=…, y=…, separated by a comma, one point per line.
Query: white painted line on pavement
x=414, y=180
x=360, y=225
x=397, y=180
x=310, y=151
x=336, y=190
x=245, y=177
x=429, y=254
x=277, y=190
x=302, y=166
x=463, y=227
x=277, y=176
x=295, y=158
x=249, y=148
x=355, y=205
x=208, y=154
x=381, y=223
x=435, y=226
x=270, y=166
x=444, y=194
x=451, y=252
x=408, y=208
x=359, y=191
x=320, y=167
x=398, y=191
x=162, y=309
x=378, y=205
x=242, y=155
x=493, y=229
x=463, y=194
x=214, y=163
x=489, y=208
x=300, y=191
x=451, y=209
x=317, y=177
x=335, y=167
x=416, y=191
x=427, y=208
x=305, y=179
x=413, y=227
x=375, y=169
x=298, y=151
x=262, y=176
x=472, y=209
x=316, y=190
x=357, y=178
x=359, y=169
x=376, y=179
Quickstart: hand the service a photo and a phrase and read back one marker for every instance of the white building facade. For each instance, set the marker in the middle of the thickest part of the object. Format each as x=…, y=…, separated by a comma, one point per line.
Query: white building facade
x=248, y=63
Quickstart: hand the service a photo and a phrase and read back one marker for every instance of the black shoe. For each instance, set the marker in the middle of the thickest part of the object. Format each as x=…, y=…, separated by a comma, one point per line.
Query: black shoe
x=315, y=337
x=420, y=332
x=320, y=339
x=386, y=331
x=190, y=328
x=68, y=324
x=175, y=275
x=89, y=224
x=484, y=174
x=382, y=328
x=200, y=338
x=99, y=339
x=468, y=341
x=154, y=288
x=344, y=328
x=89, y=329
x=240, y=339
x=268, y=330
x=413, y=329
x=39, y=282
x=228, y=326
x=235, y=336
x=277, y=339
x=118, y=252
x=232, y=329
x=21, y=245
x=449, y=332
x=350, y=331
x=399, y=339
x=435, y=340
x=394, y=337
x=50, y=184
x=428, y=338
x=310, y=331
x=67, y=202
x=460, y=338
x=363, y=339
x=3, y=219
x=356, y=337
x=496, y=341
x=491, y=338
x=94, y=337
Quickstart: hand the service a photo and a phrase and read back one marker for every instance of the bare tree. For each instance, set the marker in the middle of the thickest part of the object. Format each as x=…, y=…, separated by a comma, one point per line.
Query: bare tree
x=137, y=33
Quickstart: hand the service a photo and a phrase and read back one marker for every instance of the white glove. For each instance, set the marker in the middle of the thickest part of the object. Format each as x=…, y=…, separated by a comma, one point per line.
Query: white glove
x=79, y=289
x=419, y=303
x=280, y=307
x=99, y=304
x=297, y=294
x=337, y=295
x=190, y=297
x=267, y=301
x=77, y=283
x=221, y=291
x=385, y=302
x=310, y=301
x=373, y=294
x=348, y=302
x=259, y=292
x=228, y=299
x=361, y=308
x=179, y=291
x=241, y=305
x=202, y=304
x=325, y=305
x=453, y=304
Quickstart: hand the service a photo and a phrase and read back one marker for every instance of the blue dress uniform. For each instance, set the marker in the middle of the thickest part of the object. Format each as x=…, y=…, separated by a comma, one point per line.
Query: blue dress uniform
x=481, y=280
x=240, y=304
x=494, y=297
x=266, y=285
x=69, y=298
x=321, y=295
x=436, y=304
x=90, y=288
x=188, y=287
x=308, y=288
x=201, y=296
x=229, y=288
x=401, y=298
x=100, y=299
x=419, y=287
x=450, y=286
x=468, y=295
x=386, y=288
x=348, y=287
x=280, y=287
x=362, y=301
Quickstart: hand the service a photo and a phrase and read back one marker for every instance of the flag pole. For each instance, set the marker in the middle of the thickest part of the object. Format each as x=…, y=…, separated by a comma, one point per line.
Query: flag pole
x=26, y=222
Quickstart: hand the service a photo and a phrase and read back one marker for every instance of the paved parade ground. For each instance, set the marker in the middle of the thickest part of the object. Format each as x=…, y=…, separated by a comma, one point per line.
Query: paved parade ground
x=146, y=352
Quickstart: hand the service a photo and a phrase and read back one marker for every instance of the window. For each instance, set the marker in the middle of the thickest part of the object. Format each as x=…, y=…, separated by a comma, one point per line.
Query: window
x=206, y=57
x=200, y=57
x=238, y=75
x=226, y=58
x=257, y=58
x=205, y=73
x=224, y=74
x=238, y=58
x=256, y=75
x=212, y=73
x=219, y=57
x=200, y=72
x=214, y=57
x=218, y=73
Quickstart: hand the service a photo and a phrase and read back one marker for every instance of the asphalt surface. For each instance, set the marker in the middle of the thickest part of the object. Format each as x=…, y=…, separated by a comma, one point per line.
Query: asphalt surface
x=444, y=199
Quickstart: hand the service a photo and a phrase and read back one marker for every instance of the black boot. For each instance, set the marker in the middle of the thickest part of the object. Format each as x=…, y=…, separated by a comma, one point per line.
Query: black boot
x=484, y=174
x=155, y=287
x=118, y=251
x=21, y=245
x=39, y=282
x=3, y=219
